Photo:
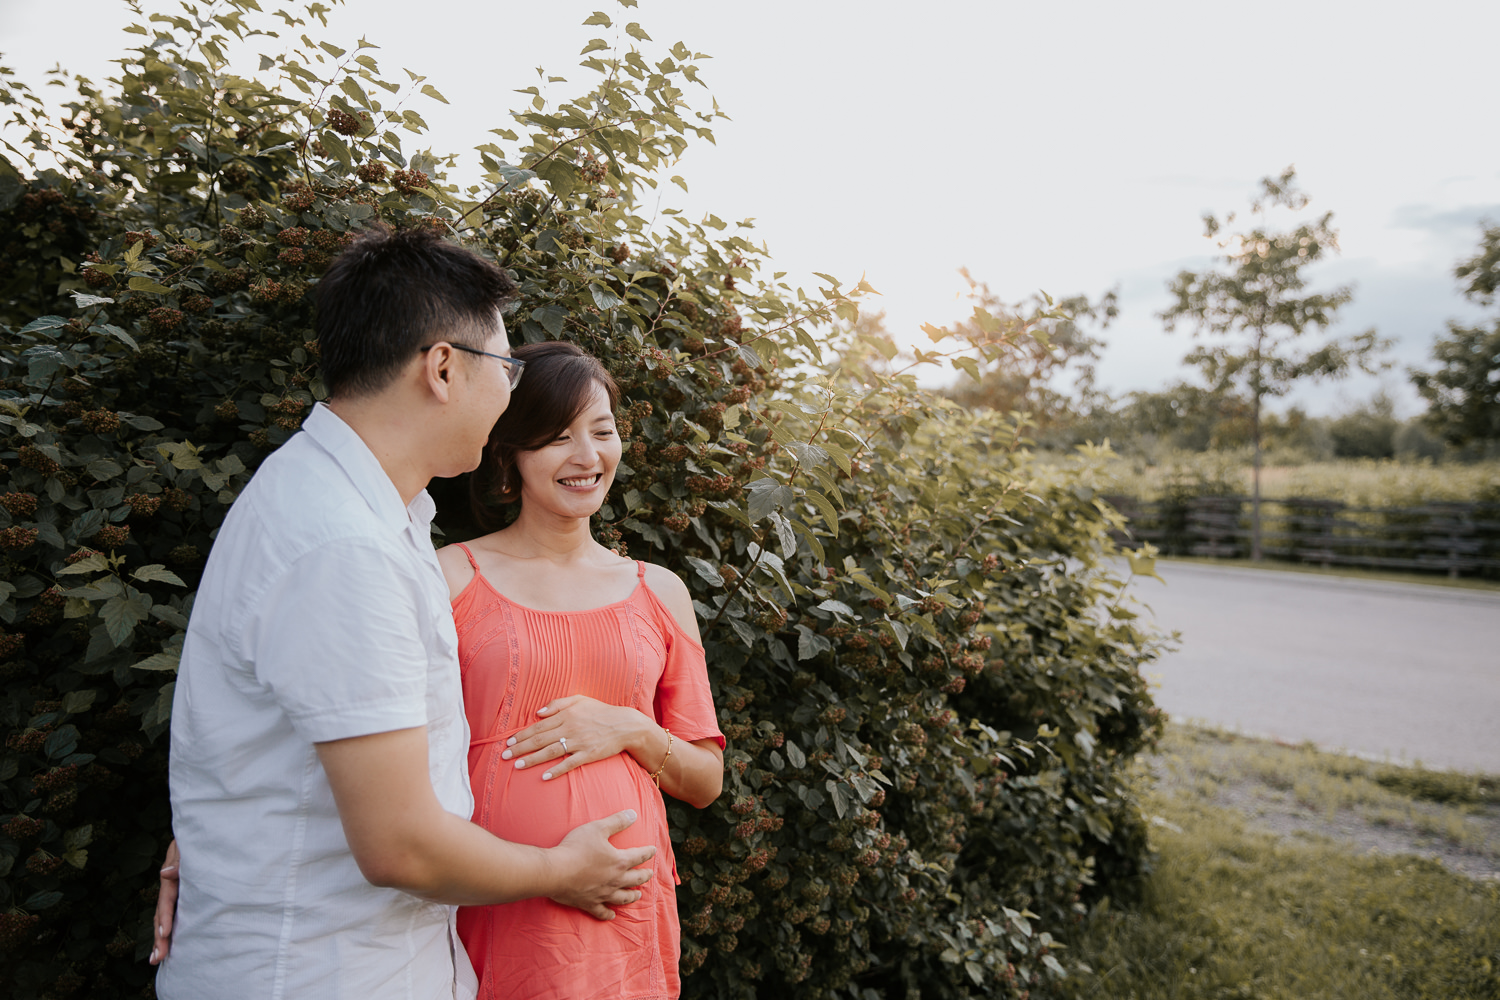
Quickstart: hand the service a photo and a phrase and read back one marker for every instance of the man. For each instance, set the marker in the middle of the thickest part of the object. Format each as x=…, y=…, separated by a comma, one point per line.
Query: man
x=318, y=756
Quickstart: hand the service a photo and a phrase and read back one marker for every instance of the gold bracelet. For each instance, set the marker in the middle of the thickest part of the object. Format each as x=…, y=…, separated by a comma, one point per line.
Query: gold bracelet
x=656, y=775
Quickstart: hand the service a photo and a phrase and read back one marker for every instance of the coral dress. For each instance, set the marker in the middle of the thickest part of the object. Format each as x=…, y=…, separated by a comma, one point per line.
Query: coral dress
x=514, y=661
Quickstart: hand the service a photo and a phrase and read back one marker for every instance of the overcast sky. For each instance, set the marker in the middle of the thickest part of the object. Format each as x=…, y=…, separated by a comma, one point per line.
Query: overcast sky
x=1067, y=147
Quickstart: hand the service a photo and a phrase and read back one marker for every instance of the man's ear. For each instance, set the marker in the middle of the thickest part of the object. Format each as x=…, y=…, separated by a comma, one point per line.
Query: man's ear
x=437, y=368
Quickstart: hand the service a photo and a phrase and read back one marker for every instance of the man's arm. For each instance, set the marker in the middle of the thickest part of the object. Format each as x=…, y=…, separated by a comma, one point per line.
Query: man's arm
x=402, y=838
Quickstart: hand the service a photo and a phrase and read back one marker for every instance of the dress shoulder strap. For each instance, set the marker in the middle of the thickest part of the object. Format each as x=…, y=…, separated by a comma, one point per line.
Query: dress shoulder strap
x=640, y=570
x=470, y=555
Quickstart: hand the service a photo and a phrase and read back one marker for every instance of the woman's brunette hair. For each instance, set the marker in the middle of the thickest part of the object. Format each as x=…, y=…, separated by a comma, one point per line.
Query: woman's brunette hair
x=558, y=383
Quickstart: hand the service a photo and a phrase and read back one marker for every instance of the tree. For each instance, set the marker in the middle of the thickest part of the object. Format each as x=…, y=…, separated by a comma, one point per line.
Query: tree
x=1255, y=300
x=1463, y=394
x=1025, y=377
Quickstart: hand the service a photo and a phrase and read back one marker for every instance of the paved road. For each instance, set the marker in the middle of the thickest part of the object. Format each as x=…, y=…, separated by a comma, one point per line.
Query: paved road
x=1403, y=671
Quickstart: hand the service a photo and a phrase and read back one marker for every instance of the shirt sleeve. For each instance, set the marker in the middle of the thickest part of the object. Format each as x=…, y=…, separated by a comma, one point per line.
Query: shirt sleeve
x=337, y=641
x=684, y=702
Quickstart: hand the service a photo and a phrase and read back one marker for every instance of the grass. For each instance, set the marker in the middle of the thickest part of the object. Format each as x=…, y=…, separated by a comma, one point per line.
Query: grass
x=1232, y=911
x=1429, y=579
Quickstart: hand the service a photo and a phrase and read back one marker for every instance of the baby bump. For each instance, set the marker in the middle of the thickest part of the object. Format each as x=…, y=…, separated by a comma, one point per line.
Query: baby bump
x=517, y=805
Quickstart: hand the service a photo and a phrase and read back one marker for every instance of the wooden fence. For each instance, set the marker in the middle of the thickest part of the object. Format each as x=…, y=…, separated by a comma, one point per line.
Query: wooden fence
x=1459, y=539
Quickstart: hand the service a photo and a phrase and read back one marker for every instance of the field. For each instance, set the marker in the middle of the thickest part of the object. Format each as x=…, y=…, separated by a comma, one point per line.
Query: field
x=1284, y=873
x=1362, y=482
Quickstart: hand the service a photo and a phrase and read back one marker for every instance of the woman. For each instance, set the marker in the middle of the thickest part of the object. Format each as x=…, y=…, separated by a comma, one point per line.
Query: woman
x=585, y=688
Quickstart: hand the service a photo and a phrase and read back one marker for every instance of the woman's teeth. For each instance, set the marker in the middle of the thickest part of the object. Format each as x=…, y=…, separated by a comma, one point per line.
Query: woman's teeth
x=583, y=481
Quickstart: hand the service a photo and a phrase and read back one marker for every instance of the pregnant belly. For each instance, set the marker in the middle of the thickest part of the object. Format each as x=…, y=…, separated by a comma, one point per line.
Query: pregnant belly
x=517, y=805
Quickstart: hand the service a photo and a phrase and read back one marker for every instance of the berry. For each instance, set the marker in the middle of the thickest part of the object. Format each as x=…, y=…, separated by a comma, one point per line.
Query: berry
x=295, y=256
x=95, y=278
x=295, y=236
x=17, y=538
x=343, y=122
x=164, y=319
x=143, y=504
x=408, y=181
x=80, y=556
x=19, y=504
x=103, y=421
x=299, y=201
x=197, y=303
x=112, y=536
x=227, y=410
x=34, y=458
x=253, y=218
x=372, y=172
x=23, y=828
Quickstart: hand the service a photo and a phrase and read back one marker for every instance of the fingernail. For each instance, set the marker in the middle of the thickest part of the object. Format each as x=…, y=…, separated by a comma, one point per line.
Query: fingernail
x=547, y=776
x=154, y=952
x=511, y=742
x=521, y=762
x=630, y=813
x=169, y=870
x=161, y=931
x=505, y=755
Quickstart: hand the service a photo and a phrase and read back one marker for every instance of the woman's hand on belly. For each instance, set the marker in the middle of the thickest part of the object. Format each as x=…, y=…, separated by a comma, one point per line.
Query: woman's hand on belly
x=578, y=730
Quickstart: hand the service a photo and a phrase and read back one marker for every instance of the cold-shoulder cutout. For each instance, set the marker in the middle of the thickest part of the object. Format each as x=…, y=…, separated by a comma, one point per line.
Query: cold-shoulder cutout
x=673, y=595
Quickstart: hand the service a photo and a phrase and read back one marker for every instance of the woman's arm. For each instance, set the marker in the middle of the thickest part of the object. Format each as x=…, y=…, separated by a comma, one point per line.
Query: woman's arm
x=591, y=730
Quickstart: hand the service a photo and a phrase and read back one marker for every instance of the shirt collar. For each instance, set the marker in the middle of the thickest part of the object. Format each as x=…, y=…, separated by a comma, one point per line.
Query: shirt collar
x=364, y=470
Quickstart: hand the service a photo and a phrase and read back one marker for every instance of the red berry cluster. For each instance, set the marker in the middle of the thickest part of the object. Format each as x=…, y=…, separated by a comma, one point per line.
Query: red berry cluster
x=295, y=256
x=17, y=538
x=164, y=319
x=253, y=218
x=299, y=200
x=371, y=172
x=181, y=254
x=227, y=410
x=16, y=929
x=112, y=536
x=80, y=555
x=197, y=303
x=177, y=499
x=33, y=457
x=147, y=237
x=23, y=828
x=409, y=181
x=95, y=278
x=343, y=122
x=143, y=504
x=19, y=504
x=294, y=236
x=103, y=421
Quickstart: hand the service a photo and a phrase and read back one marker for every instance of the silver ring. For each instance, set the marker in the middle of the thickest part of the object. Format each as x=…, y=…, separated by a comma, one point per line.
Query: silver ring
x=564, y=741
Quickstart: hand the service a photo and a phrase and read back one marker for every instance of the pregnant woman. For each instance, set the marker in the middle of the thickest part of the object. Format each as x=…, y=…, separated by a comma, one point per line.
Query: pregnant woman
x=585, y=688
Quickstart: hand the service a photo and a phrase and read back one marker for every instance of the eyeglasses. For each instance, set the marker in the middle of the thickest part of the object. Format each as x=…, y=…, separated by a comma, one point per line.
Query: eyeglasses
x=514, y=366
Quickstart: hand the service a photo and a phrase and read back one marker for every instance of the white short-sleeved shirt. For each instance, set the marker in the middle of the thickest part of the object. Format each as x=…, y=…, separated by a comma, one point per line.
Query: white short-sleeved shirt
x=322, y=615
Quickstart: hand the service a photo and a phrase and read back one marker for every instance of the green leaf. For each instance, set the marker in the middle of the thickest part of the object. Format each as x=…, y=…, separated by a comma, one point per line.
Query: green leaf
x=765, y=496
x=706, y=570
x=604, y=297
x=830, y=516
x=599, y=18
x=432, y=92
x=141, y=283
x=810, y=644
x=594, y=45
x=634, y=30
x=156, y=572
x=551, y=317
x=121, y=615
x=794, y=754
x=43, y=323
x=79, y=701
x=159, y=661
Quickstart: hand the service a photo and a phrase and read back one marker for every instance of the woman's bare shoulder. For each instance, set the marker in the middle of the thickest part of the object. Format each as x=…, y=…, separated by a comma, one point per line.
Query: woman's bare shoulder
x=673, y=594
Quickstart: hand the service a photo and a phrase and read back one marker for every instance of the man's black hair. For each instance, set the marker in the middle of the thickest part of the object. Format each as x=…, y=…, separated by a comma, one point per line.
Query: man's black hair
x=393, y=292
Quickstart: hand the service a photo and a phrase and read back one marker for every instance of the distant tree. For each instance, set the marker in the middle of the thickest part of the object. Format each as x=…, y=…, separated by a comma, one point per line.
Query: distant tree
x=1049, y=374
x=1254, y=300
x=1367, y=431
x=1463, y=395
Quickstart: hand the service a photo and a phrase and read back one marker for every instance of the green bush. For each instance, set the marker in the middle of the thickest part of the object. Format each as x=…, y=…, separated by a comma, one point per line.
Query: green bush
x=930, y=686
